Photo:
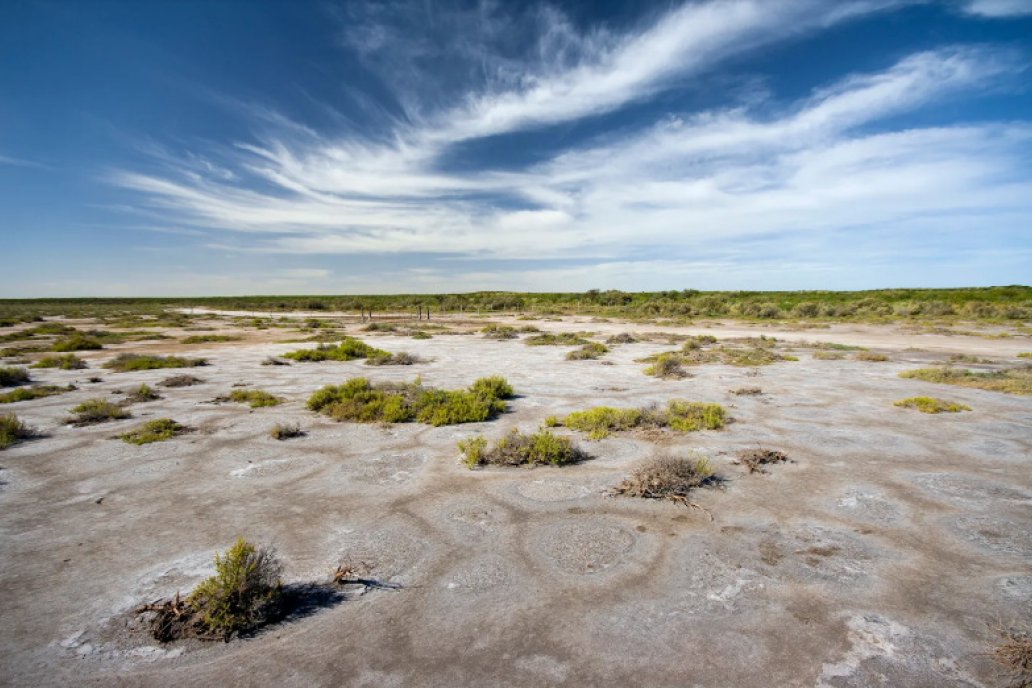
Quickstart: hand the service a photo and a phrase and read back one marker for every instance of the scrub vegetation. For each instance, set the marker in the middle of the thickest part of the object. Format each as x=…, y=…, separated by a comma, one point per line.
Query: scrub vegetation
x=124, y=363
x=349, y=349
x=668, y=477
x=29, y=393
x=12, y=377
x=680, y=415
x=13, y=430
x=1010, y=380
x=94, y=411
x=66, y=362
x=157, y=430
x=255, y=398
x=517, y=449
x=931, y=405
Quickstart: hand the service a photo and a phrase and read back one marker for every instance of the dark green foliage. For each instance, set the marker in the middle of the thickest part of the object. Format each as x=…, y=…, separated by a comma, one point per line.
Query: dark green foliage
x=349, y=349
x=12, y=377
x=358, y=400
x=66, y=362
x=516, y=448
x=124, y=363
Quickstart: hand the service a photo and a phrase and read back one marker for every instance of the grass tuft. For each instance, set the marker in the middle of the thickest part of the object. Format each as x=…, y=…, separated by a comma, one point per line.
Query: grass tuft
x=349, y=349
x=29, y=393
x=1009, y=381
x=382, y=358
x=157, y=430
x=667, y=477
x=12, y=377
x=684, y=416
x=142, y=394
x=255, y=398
x=13, y=430
x=207, y=338
x=931, y=405
x=516, y=449
x=870, y=357
x=77, y=342
x=124, y=363
x=66, y=362
x=561, y=339
x=94, y=411
x=589, y=351
x=668, y=366
x=755, y=459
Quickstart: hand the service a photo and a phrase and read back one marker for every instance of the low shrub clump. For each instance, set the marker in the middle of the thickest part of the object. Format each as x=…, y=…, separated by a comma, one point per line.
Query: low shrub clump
x=157, y=430
x=141, y=394
x=285, y=431
x=12, y=377
x=66, y=362
x=349, y=349
x=747, y=391
x=755, y=459
x=29, y=393
x=870, y=357
x=181, y=381
x=273, y=361
x=668, y=477
x=77, y=342
x=94, y=411
x=124, y=363
x=680, y=415
x=516, y=449
x=420, y=334
x=206, y=338
x=561, y=339
x=382, y=358
x=13, y=430
x=931, y=405
x=1010, y=381
x=828, y=355
x=255, y=398
x=622, y=338
x=494, y=331
x=700, y=350
x=244, y=594
x=668, y=366
x=591, y=350
x=359, y=400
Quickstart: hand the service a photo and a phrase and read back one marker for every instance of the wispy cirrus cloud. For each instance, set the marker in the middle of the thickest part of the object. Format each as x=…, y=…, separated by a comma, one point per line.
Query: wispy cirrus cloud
x=826, y=162
x=998, y=9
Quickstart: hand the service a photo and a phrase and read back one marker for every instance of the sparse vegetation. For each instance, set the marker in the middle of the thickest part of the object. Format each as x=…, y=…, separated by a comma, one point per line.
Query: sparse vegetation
x=285, y=431
x=12, y=377
x=667, y=366
x=66, y=362
x=561, y=339
x=420, y=334
x=255, y=398
x=684, y=416
x=1025, y=354
x=13, y=430
x=94, y=411
x=124, y=363
x=383, y=358
x=747, y=391
x=1014, y=654
x=209, y=338
x=181, y=381
x=494, y=331
x=349, y=349
x=668, y=477
x=157, y=430
x=359, y=400
x=828, y=355
x=77, y=342
x=29, y=393
x=870, y=357
x=591, y=350
x=516, y=448
x=931, y=405
x=622, y=338
x=141, y=394
x=1010, y=381
x=755, y=459
x=273, y=361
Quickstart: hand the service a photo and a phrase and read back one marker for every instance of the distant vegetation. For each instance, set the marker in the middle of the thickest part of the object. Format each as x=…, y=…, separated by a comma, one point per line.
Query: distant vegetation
x=1011, y=380
x=680, y=415
x=124, y=363
x=29, y=393
x=66, y=362
x=94, y=411
x=349, y=349
x=255, y=398
x=931, y=405
x=988, y=303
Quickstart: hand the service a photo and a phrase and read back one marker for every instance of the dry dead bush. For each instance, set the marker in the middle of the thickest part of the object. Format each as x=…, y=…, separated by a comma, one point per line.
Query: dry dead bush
x=668, y=477
x=285, y=431
x=1014, y=653
x=755, y=459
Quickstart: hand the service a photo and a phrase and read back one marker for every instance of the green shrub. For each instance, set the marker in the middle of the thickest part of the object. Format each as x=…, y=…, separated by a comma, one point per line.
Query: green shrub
x=680, y=415
x=667, y=477
x=29, y=393
x=13, y=430
x=622, y=338
x=244, y=593
x=12, y=377
x=828, y=355
x=77, y=342
x=1009, y=381
x=871, y=357
x=419, y=334
x=348, y=349
x=358, y=400
x=591, y=350
x=382, y=358
x=516, y=448
x=561, y=339
x=157, y=430
x=66, y=362
x=256, y=398
x=667, y=366
x=600, y=421
x=206, y=338
x=94, y=411
x=181, y=381
x=1025, y=354
x=141, y=394
x=689, y=416
x=494, y=331
x=124, y=363
x=931, y=405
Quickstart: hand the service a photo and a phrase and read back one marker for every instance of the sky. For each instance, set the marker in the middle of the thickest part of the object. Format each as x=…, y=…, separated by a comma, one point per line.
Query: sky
x=224, y=147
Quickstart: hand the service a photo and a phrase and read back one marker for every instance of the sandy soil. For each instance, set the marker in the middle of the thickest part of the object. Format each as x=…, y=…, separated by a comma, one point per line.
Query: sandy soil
x=881, y=556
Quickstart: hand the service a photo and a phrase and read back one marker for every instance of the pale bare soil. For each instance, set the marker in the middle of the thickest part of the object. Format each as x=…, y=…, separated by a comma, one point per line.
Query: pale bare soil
x=882, y=555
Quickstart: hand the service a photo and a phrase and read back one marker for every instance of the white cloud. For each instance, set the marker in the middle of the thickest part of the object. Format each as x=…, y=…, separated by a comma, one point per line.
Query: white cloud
x=998, y=9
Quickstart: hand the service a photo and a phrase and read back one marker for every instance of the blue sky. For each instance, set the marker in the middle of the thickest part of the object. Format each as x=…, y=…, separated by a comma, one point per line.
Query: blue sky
x=218, y=147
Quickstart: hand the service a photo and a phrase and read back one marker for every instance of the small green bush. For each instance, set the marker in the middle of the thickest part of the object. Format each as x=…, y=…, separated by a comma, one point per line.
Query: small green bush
x=561, y=339
x=1025, y=354
x=256, y=398
x=94, y=411
x=600, y=421
x=359, y=400
x=77, y=342
x=667, y=366
x=680, y=415
x=13, y=430
x=244, y=593
x=689, y=416
x=931, y=405
x=516, y=448
x=1009, y=381
x=124, y=363
x=29, y=393
x=419, y=334
x=142, y=394
x=494, y=331
x=157, y=430
x=870, y=357
x=66, y=362
x=12, y=377
x=206, y=338
x=591, y=350
x=348, y=349
x=382, y=358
